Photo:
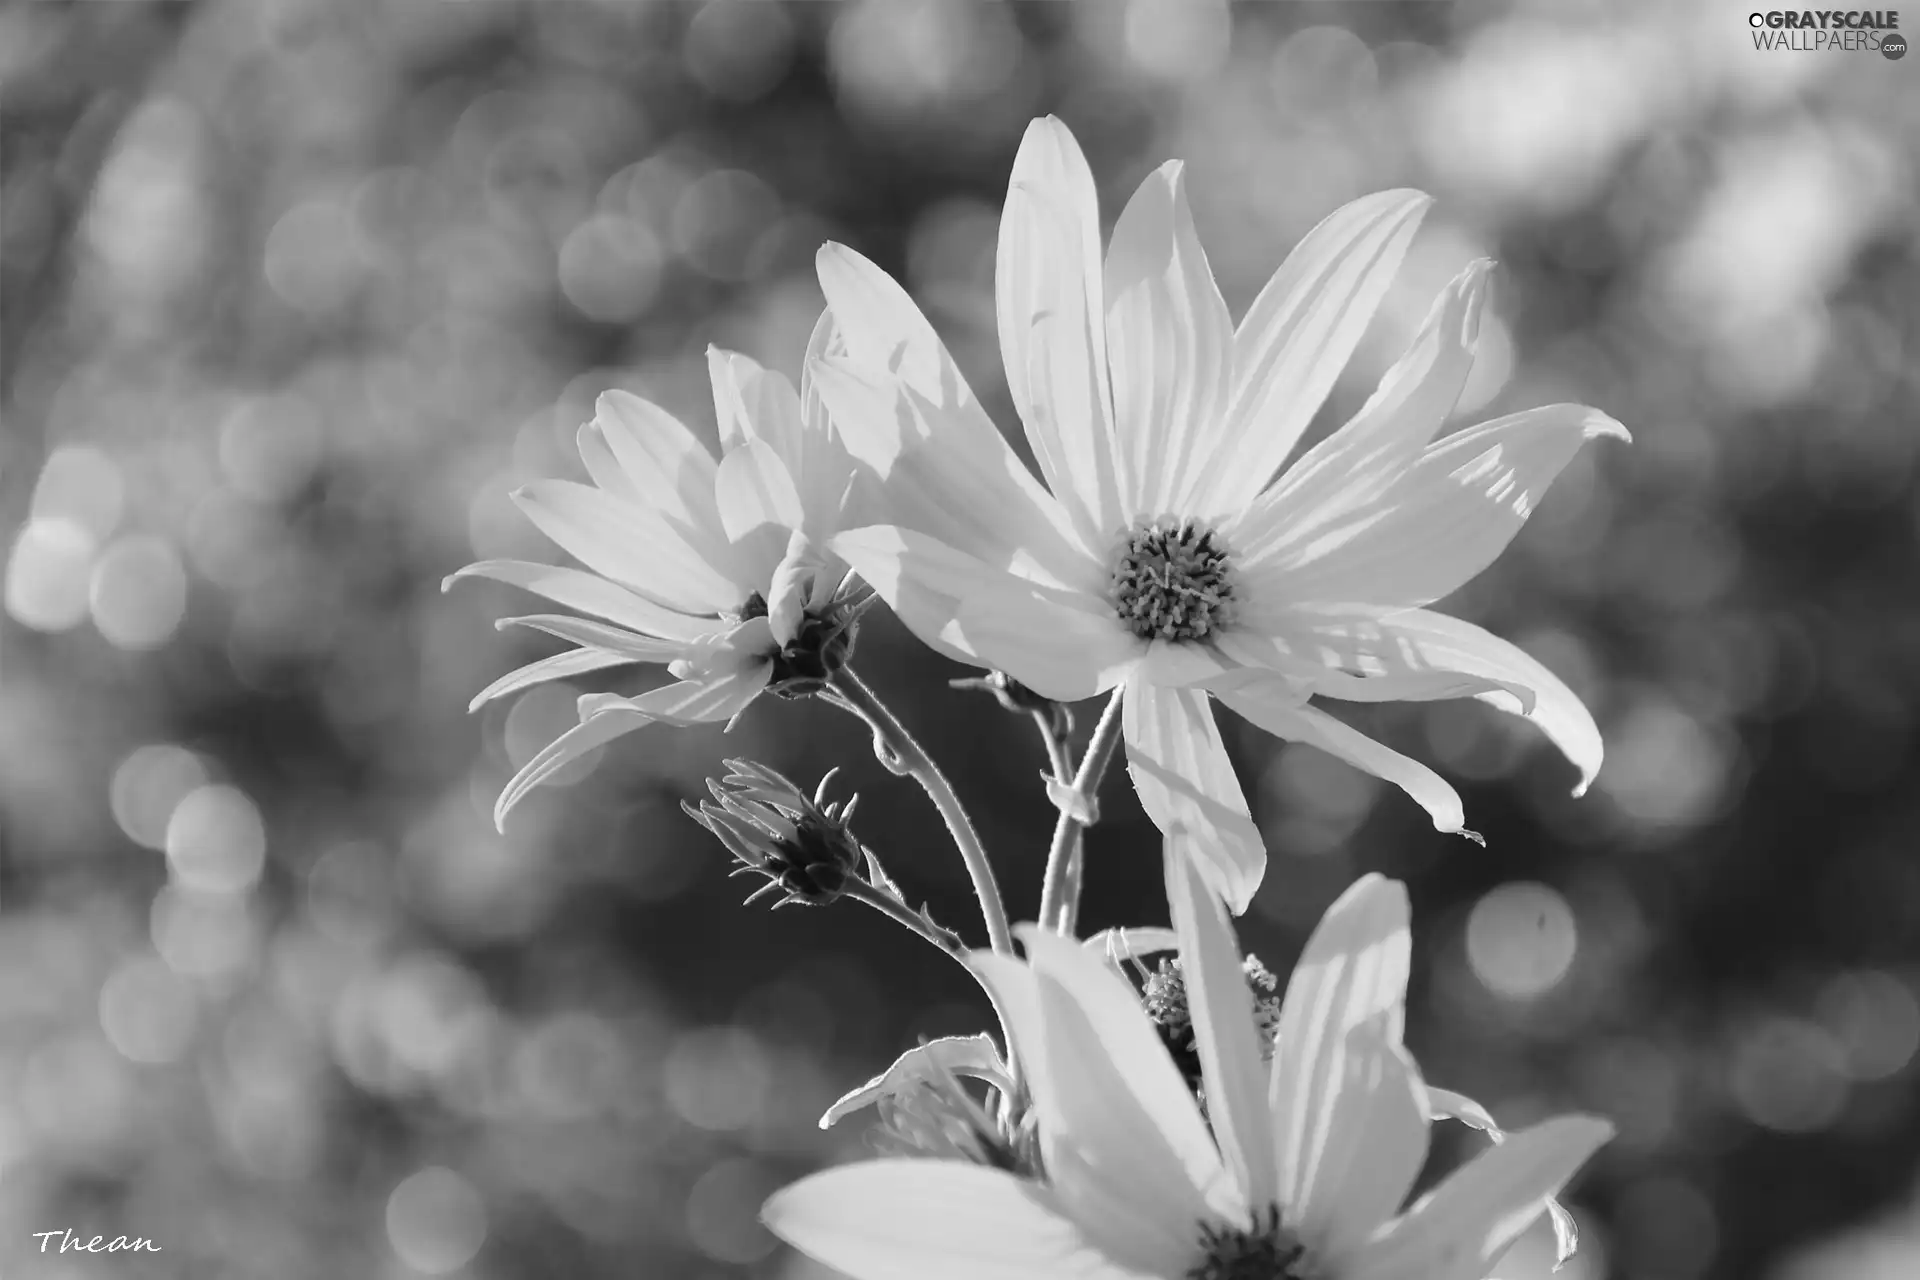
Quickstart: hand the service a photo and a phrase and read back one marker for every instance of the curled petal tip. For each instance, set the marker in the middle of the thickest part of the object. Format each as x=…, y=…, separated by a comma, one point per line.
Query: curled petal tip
x=1474, y=836
x=1600, y=424
x=446, y=583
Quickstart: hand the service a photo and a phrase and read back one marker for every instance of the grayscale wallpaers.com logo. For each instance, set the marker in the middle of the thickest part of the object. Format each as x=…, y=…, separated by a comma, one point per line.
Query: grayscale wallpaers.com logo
x=1829, y=31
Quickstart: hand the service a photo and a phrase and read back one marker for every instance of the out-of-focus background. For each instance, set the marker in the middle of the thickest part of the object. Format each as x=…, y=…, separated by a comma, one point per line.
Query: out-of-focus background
x=295, y=291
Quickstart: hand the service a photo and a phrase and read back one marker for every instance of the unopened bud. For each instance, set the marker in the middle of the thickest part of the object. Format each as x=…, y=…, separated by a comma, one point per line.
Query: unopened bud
x=801, y=844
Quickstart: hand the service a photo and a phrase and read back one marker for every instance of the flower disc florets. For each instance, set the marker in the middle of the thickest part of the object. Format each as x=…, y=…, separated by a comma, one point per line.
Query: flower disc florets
x=1164, y=993
x=1266, y=1252
x=822, y=646
x=1172, y=581
x=803, y=847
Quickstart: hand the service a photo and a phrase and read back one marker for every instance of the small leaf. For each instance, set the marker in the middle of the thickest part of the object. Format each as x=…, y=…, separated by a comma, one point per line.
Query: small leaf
x=974, y=1055
x=1076, y=805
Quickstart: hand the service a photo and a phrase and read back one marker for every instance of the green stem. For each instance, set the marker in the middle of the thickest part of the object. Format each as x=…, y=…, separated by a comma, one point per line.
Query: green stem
x=1060, y=892
x=908, y=757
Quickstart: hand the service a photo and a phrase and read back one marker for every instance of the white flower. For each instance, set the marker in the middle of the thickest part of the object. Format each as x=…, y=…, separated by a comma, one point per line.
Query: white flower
x=1157, y=554
x=1301, y=1175
x=717, y=569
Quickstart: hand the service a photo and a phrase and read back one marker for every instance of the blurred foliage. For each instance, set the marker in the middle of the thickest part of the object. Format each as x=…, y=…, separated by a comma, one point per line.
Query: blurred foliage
x=296, y=290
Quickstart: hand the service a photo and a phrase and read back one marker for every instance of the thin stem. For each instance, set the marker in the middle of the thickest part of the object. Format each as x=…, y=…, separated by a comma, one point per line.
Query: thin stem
x=910, y=758
x=892, y=907
x=1059, y=902
x=1056, y=747
x=1070, y=881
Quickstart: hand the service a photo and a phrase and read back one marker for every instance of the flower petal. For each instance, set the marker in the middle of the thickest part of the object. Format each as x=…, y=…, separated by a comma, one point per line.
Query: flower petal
x=1047, y=279
x=594, y=731
x=974, y=1055
x=598, y=635
x=1295, y=339
x=1177, y=663
x=1352, y=971
x=1231, y=1058
x=921, y=578
x=1170, y=341
x=1460, y=1230
x=825, y=470
x=1128, y=1039
x=1186, y=783
x=975, y=613
x=1445, y=1104
x=591, y=593
x=1048, y=639
x=1375, y=1142
x=1116, y=945
x=1112, y=1165
x=753, y=488
x=797, y=580
x=720, y=696
x=752, y=402
x=934, y=1220
x=904, y=412
x=664, y=463
x=1417, y=643
x=632, y=545
x=1446, y=519
x=1274, y=706
x=1360, y=461
x=602, y=467
x=561, y=666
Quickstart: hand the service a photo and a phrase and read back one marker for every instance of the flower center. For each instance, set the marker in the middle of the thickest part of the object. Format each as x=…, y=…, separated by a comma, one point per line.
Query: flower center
x=1164, y=993
x=822, y=647
x=1172, y=581
x=1266, y=1252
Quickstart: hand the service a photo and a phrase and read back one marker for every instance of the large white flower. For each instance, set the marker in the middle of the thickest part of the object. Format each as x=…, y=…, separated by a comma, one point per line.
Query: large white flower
x=1297, y=1171
x=716, y=568
x=1157, y=554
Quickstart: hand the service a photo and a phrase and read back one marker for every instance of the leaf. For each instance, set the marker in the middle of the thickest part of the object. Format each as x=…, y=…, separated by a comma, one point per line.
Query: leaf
x=975, y=1055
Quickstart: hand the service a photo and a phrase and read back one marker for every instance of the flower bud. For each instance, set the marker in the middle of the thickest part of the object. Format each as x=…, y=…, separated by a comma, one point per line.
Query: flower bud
x=802, y=845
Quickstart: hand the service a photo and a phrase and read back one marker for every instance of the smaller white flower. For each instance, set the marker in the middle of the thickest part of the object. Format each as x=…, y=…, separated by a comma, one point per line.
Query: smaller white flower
x=715, y=568
x=1297, y=1171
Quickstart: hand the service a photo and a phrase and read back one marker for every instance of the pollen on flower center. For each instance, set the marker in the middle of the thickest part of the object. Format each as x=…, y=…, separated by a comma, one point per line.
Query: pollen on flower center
x=1164, y=994
x=1172, y=582
x=1266, y=1251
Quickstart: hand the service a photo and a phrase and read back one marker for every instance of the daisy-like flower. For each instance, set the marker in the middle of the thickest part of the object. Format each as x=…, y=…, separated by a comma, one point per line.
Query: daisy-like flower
x=1297, y=1171
x=715, y=567
x=1161, y=553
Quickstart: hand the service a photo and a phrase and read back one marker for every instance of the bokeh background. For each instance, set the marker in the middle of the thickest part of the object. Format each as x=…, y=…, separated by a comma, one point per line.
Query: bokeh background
x=295, y=291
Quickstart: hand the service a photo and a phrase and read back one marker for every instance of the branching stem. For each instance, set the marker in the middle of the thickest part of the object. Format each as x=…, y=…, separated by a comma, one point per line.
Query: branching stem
x=900, y=752
x=1060, y=892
